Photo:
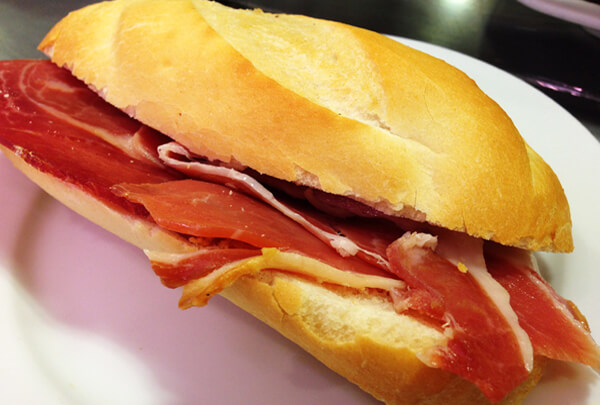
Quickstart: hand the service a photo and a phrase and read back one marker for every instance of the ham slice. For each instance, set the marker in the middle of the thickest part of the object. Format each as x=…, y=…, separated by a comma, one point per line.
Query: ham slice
x=548, y=325
x=60, y=127
x=467, y=254
x=203, y=209
x=482, y=346
x=556, y=328
x=177, y=157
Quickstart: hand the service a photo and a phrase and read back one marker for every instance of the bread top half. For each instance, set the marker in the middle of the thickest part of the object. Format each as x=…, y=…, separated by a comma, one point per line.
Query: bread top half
x=322, y=104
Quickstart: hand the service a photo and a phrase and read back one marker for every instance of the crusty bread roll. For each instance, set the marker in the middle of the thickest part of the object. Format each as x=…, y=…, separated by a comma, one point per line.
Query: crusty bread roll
x=322, y=104
x=333, y=107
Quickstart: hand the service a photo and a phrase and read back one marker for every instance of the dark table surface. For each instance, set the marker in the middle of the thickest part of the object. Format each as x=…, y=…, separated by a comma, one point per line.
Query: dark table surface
x=503, y=33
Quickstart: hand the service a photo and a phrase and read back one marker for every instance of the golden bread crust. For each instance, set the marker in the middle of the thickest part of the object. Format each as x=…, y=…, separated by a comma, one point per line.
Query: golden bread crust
x=407, y=133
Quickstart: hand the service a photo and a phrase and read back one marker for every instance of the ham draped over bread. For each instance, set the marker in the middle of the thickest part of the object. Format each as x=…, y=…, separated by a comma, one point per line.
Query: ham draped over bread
x=482, y=341
x=237, y=224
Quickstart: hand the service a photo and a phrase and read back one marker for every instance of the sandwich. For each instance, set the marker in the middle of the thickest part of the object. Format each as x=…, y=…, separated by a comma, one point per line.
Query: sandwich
x=366, y=200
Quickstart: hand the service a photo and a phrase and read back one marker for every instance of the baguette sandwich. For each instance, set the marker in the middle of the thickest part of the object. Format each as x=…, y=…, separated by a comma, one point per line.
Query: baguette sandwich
x=366, y=200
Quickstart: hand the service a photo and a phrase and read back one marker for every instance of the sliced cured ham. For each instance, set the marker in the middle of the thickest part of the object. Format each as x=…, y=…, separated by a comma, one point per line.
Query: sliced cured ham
x=172, y=154
x=205, y=209
x=467, y=254
x=482, y=346
x=57, y=125
x=555, y=327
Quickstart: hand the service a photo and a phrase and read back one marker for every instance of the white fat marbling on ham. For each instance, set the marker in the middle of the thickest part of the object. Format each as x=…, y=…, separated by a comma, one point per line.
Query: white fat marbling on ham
x=467, y=252
x=412, y=240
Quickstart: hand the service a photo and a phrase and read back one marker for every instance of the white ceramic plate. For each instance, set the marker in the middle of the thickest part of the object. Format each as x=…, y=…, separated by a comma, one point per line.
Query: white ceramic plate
x=84, y=321
x=584, y=13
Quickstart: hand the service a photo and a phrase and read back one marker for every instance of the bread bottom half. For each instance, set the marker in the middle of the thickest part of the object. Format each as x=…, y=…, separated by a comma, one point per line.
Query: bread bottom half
x=361, y=337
